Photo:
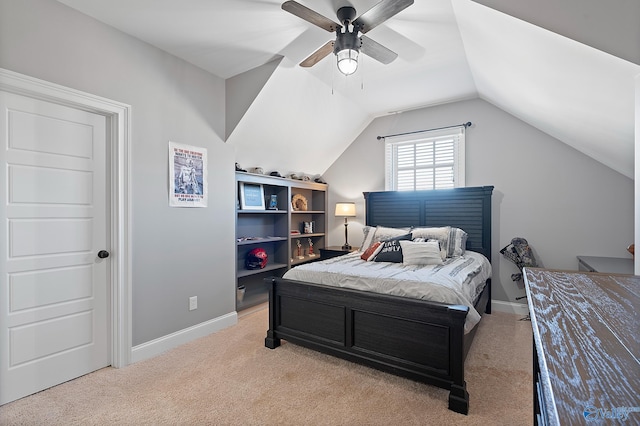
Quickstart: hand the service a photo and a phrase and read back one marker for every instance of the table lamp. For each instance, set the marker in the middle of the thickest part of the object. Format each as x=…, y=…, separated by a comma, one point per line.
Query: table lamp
x=346, y=210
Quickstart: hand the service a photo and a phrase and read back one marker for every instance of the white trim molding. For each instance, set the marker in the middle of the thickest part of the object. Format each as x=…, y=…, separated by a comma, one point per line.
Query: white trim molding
x=162, y=344
x=510, y=307
x=119, y=126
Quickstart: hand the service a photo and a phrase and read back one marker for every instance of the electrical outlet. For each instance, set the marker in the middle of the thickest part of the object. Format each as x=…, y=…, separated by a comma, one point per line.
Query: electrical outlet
x=193, y=303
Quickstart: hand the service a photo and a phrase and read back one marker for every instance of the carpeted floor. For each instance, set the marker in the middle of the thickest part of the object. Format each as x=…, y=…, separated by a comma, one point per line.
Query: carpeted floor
x=230, y=378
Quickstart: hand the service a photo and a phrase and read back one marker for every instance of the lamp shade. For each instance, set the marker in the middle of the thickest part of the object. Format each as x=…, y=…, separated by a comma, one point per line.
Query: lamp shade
x=347, y=61
x=346, y=209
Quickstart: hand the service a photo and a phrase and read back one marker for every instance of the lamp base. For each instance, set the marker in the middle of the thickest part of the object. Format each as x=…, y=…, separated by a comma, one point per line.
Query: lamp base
x=346, y=247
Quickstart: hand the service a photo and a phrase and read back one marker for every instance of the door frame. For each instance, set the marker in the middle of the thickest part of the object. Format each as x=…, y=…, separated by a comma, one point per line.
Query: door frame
x=118, y=170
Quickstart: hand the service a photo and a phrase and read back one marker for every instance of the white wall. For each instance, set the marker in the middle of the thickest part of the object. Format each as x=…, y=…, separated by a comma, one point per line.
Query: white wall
x=562, y=201
x=177, y=253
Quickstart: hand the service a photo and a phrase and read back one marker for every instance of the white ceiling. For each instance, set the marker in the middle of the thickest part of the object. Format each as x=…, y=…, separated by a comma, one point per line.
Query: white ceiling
x=448, y=50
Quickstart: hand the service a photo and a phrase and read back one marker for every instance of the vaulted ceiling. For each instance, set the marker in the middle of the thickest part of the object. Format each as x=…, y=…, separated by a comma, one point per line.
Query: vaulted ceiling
x=566, y=67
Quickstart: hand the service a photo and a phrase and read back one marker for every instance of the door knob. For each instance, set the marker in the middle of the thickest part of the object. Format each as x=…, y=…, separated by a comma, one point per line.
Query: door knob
x=102, y=254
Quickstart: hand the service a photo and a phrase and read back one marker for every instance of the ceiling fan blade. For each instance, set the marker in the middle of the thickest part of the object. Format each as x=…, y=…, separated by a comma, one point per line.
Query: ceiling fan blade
x=319, y=54
x=377, y=51
x=380, y=13
x=309, y=15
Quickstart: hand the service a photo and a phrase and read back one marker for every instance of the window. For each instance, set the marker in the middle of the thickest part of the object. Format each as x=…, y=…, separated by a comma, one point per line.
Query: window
x=425, y=160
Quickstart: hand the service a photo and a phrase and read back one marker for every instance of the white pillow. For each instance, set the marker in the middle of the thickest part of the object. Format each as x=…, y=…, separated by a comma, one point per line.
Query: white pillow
x=381, y=233
x=421, y=253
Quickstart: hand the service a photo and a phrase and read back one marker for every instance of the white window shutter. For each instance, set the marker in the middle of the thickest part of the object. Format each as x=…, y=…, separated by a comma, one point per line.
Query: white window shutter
x=425, y=160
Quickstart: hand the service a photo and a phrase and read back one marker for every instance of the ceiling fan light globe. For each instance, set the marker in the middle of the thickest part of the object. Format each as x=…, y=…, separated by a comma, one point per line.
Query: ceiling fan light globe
x=347, y=61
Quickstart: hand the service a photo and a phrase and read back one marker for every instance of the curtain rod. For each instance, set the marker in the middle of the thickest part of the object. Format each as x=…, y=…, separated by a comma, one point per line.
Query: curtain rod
x=467, y=124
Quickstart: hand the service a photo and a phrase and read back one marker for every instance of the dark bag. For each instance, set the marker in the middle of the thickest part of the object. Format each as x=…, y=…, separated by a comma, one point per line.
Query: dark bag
x=519, y=252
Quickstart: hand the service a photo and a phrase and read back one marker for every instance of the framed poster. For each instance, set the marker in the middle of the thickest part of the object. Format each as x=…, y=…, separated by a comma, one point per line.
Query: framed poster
x=187, y=176
x=251, y=196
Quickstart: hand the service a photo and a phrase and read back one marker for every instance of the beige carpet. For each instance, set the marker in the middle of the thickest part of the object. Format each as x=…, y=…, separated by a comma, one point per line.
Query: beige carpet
x=230, y=378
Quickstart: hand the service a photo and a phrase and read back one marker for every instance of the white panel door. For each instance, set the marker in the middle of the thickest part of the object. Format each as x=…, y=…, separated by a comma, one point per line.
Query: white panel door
x=54, y=323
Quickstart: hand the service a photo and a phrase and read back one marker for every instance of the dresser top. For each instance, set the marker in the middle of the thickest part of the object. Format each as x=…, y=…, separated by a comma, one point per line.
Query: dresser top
x=585, y=329
x=618, y=265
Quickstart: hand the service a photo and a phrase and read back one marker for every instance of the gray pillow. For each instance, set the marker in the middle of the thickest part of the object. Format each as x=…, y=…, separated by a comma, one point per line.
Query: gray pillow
x=381, y=233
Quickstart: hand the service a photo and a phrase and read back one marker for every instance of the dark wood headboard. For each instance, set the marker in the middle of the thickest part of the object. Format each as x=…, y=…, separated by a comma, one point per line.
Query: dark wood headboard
x=465, y=208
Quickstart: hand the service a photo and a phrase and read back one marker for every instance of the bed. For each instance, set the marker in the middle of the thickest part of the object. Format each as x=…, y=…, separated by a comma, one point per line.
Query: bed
x=418, y=339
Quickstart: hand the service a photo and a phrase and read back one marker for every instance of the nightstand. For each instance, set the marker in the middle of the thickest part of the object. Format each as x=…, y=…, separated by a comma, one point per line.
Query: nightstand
x=333, y=251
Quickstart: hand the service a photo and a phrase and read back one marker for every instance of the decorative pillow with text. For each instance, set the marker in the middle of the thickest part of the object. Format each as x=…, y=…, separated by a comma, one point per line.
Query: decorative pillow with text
x=391, y=250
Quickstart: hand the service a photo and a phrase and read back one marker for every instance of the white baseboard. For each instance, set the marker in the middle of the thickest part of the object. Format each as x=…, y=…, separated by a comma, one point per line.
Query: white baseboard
x=510, y=307
x=170, y=341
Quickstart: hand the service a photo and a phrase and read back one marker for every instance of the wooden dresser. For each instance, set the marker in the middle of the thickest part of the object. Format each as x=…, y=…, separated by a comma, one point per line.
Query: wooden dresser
x=614, y=265
x=586, y=330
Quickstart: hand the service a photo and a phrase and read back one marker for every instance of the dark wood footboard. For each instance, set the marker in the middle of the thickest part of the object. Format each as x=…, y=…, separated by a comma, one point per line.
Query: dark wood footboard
x=420, y=340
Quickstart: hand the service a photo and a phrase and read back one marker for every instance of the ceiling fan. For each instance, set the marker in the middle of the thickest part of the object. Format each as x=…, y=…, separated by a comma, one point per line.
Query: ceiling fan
x=349, y=43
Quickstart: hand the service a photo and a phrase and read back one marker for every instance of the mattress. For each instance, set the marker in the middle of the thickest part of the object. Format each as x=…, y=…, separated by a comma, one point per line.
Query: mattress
x=458, y=281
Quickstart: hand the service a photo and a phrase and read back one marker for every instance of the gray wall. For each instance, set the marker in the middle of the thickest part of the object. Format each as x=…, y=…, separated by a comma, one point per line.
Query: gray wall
x=177, y=252
x=637, y=175
x=563, y=202
x=595, y=23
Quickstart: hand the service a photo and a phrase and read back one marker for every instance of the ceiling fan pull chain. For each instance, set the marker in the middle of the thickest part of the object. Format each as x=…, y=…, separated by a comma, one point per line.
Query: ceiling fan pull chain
x=333, y=77
x=362, y=75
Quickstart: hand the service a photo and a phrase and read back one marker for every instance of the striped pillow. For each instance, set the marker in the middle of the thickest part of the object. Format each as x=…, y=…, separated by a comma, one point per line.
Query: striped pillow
x=434, y=233
x=457, y=243
x=370, y=253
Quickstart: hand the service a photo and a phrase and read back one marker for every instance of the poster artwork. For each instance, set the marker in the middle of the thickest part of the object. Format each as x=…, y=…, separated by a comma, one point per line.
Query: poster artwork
x=187, y=176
